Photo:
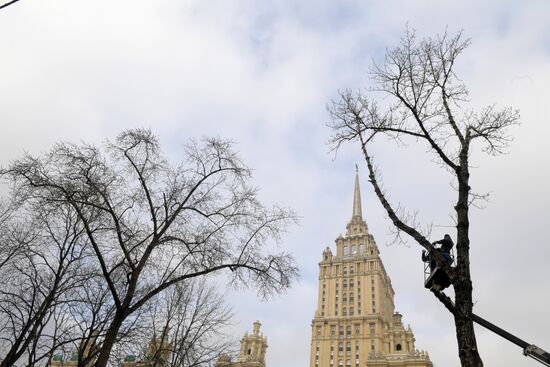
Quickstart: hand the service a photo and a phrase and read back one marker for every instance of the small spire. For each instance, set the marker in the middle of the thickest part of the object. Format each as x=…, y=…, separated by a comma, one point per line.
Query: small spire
x=256, y=329
x=357, y=197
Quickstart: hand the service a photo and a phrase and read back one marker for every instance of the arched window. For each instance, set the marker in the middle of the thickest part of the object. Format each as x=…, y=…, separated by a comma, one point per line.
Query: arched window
x=398, y=347
x=340, y=363
x=348, y=363
x=362, y=248
x=353, y=249
x=346, y=250
x=344, y=311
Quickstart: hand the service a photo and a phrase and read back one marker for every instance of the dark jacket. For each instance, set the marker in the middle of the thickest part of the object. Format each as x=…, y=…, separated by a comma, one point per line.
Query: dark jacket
x=446, y=244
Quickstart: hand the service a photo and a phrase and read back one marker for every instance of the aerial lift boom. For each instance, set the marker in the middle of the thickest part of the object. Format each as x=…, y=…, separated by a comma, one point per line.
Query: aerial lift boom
x=437, y=280
x=529, y=350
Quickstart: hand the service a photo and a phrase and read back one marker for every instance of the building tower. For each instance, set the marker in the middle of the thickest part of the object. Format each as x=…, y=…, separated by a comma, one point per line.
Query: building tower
x=355, y=324
x=252, y=352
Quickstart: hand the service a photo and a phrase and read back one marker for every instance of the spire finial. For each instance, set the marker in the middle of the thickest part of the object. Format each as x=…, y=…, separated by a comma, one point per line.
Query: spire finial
x=357, y=197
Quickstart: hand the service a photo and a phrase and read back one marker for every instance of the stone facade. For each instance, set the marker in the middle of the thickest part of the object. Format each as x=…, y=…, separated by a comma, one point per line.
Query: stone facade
x=355, y=324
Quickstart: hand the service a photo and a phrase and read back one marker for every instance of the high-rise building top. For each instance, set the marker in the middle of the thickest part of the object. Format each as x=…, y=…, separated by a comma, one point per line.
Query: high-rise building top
x=355, y=324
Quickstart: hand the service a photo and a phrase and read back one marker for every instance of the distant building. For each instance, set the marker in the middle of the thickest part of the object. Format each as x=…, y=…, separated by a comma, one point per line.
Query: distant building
x=252, y=352
x=85, y=348
x=157, y=355
x=355, y=324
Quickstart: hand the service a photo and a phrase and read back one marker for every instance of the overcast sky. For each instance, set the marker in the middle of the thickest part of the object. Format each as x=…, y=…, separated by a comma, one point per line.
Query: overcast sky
x=261, y=73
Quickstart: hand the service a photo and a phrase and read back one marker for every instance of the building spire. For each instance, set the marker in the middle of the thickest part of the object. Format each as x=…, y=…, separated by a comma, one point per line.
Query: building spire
x=357, y=197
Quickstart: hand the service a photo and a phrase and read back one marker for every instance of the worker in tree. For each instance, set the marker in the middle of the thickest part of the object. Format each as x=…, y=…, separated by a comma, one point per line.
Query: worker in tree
x=446, y=245
x=445, y=251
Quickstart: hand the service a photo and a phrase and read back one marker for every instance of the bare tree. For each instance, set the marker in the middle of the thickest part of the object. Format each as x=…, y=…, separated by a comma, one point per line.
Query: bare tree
x=44, y=268
x=10, y=249
x=426, y=103
x=186, y=328
x=152, y=223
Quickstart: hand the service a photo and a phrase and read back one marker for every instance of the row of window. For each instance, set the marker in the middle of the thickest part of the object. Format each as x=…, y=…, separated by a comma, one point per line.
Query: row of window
x=349, y=269
x=351, y=250
x=341, y=352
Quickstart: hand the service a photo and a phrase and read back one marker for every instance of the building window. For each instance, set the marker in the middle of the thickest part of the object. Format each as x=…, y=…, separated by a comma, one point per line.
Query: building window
x=398, y=347
x=348, y=331
x=351, y=310
x=357, y=332
x=344, y=311
x=353, y=249
x=340, y=348
x=348, y=348
x=346, y=252
x=345, y=272
x=348, y=363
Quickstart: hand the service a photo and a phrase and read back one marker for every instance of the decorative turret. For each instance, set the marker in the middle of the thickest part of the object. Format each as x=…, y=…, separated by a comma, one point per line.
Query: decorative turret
x=253, y=347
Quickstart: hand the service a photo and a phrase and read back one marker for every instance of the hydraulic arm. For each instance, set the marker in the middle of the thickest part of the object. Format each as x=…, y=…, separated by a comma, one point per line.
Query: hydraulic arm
x=530, y=350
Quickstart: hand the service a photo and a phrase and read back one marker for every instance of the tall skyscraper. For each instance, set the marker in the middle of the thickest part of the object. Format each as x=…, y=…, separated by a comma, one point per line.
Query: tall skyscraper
x=355, y=324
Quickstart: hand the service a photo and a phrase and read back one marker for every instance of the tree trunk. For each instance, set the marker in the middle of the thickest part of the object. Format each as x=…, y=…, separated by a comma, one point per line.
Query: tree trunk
x=109, y=341
x=467, y=345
